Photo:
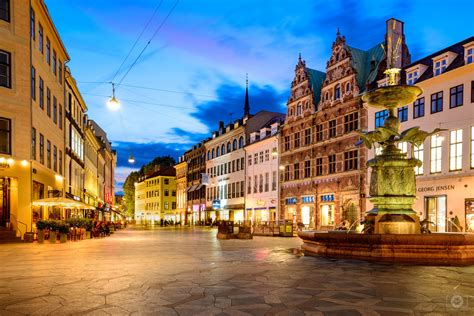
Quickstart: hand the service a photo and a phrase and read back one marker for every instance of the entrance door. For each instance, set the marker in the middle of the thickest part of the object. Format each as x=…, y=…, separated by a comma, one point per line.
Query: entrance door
x=327, y=215
x=4, y=202
x=435, y=212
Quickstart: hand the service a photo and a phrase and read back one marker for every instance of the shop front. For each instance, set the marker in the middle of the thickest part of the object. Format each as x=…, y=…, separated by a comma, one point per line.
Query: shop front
x=290, y=209
x=326, y=211
x=307, y=211
x=447, y=203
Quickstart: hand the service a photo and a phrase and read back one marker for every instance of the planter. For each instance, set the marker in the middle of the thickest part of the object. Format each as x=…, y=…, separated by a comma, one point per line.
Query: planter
x=62, y=238
x=41, y=236
x=88, y=234
x=52, y=237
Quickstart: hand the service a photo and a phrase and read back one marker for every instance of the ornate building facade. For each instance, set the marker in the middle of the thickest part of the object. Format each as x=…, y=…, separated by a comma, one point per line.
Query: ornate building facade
x=324, y=173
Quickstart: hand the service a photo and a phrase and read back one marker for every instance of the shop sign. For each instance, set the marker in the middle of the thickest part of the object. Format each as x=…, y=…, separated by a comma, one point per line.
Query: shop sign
x=4, y=165
x=290, y=201
x=307, y=199
x=327, y=198
x=436, y=188
x=216, y=204
x=223, y=179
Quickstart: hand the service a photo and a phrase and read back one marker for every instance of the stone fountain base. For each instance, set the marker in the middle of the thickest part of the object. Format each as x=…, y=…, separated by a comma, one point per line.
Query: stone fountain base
x=438, y=249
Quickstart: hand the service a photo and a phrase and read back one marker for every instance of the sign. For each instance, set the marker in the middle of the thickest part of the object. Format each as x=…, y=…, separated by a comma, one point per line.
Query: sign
x=216, y=204
x=327, y=198
x=307, y=199
x=4, y=165
x=436, y=188
x=205, y=178
x=291, y=200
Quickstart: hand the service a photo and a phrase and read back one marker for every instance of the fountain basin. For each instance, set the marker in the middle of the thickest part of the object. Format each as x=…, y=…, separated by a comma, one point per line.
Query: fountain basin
x=392, y=96
x=436, y=248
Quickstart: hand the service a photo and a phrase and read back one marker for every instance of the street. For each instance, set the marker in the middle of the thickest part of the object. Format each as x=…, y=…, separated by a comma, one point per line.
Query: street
x=187, y=271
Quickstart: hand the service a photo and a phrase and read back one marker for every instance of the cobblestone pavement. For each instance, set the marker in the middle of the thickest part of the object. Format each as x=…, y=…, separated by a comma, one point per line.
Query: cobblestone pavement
x=189, y=272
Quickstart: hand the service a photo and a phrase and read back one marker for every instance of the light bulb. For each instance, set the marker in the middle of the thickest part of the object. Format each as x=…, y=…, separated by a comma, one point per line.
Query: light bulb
x=113, y=104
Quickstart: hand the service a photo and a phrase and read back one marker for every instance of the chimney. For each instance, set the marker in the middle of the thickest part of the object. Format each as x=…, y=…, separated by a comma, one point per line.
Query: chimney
x=221, y=127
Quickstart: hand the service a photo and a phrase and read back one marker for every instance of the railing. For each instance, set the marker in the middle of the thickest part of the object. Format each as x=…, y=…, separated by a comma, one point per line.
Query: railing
x=16, y=225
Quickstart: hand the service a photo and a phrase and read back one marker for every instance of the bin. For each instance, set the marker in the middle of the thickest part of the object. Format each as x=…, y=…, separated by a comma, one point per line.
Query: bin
x=286, y=228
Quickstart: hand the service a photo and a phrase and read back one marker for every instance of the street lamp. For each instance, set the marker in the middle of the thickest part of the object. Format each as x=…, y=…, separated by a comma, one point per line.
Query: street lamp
x=131, y=159
x=113, y=103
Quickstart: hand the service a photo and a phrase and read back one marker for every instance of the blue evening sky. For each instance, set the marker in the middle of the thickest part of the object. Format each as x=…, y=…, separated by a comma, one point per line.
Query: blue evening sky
x=206, y=47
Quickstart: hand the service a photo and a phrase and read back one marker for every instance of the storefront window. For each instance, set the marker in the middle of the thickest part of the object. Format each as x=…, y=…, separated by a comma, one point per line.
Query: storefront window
x=327, y=215
x=435, y=213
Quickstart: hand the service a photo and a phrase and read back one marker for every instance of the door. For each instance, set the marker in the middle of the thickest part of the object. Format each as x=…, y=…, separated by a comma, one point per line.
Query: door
x=435, y=212
x=4, y=202
x=327, y=215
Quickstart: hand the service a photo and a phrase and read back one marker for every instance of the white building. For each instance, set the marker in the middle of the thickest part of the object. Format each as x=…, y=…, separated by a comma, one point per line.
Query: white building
x=262, y=173
x=445, y=182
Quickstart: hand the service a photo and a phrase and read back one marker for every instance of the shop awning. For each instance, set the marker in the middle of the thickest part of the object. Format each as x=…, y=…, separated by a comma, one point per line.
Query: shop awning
x=199, y=186
x=191, y=188
x=61, y=202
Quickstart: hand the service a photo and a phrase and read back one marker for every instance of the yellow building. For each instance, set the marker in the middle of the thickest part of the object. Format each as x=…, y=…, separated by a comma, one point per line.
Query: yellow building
x=32, y=57
x=92, y=159
x=155, y=197
x=181, y=195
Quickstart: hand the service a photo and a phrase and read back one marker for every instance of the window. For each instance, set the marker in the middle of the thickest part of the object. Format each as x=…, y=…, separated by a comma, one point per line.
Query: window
x=40, y=37
x=33, y=143
x=32, y=24
x=332, y=128
x=218, y=151
x=167, y=181
x=267, y=154
x=456, y=96
x=167, y=205
x=55, y=110
x=60, y=162
x=403, y=146
x=380, y=117
x=319, y=132
x=234, y=144
x=249, y=159
x=351, y=122
x=167, y=193
x=437, y=102
x=297, y=140
x=5, y=10
x=287, y=173
x=469, y=55
x=307, y=169
x=307, y=136
x=249, y=185
x=41, y=148
x=472, y=147
x=261, y=157
x=436, y=142
x=255, y=158
x=241, y=142
x=233, y=166
x=337, y=92
x=287, y=143
x=411, y=77
x=241, y=188
x=5, y=69
x=260, y=185
x=319, y=166
x=455, y=150
x=222, y=149
x=48, y=51
x=60, y=116
x=41, y=92
x=48, y=102
x=419, y=108
x=48, y=154
x=242, y=163
x=255, y=184
x=298, y=110
x=440, y=67
x=60, y=72
x=403, y=113
x=332, y=164
x=274, y=180
x=348, y=87
x=173, y=192
x=5, y=136
x=267, y=181
x=350, y=160
x=418, y=154
x=229, y=148
x=296, y=171
x=55, y=158
x=33, y=83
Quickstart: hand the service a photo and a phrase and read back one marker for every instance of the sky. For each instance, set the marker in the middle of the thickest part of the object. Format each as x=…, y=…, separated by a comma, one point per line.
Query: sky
x=192, y=73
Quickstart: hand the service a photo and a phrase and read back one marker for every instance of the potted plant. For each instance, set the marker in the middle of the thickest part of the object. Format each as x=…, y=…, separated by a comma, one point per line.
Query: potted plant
x=63, y=229
x=41, y=225
x=88, y=225
x=53, y=227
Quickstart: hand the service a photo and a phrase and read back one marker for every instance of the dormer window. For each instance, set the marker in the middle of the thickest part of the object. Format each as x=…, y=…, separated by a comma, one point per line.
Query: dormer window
x=469, y=55
x=412, y=77
x=440, y=67
x=337, y=92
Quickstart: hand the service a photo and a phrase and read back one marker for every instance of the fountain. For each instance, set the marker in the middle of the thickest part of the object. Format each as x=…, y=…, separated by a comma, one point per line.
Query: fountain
x=392, y=226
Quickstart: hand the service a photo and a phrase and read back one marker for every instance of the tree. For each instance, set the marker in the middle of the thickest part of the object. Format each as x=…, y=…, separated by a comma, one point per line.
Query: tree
x=134, y=176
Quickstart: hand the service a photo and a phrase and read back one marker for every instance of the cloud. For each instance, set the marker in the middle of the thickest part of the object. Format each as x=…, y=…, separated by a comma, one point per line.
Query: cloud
x=145, y=152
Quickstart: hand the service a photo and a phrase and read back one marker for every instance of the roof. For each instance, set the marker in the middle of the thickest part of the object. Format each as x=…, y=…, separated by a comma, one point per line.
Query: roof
x=457, y=48
x=316, y=79
x=262, y=119
x=362, y=63
x=165, y=172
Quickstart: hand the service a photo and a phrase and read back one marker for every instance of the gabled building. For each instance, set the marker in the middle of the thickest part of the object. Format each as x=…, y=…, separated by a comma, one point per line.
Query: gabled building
x=195, y=190
x=324, y=176
x=181, y=185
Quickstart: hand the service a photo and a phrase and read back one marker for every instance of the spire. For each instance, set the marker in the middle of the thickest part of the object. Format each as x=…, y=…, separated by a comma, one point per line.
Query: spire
x=338, y=33
x=246, y=105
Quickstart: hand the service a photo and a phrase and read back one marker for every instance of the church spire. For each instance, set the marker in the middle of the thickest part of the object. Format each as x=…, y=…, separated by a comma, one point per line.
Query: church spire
x=246, y=105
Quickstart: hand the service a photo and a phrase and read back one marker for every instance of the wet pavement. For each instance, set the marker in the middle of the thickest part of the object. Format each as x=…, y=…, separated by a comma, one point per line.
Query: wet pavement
x=189, y=272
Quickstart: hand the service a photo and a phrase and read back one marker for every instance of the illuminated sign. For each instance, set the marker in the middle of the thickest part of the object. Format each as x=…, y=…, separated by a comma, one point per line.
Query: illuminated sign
x=216, y=204
x=307, y=199
x=327, y=198
x=291, y=200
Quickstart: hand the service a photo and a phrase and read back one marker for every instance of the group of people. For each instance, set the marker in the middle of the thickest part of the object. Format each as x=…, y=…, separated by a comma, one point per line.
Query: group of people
x=103, y=228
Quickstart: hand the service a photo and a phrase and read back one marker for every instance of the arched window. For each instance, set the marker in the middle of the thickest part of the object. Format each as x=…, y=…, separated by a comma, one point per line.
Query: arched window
x=291, y=112
x=208, y=155
x=298, y=109
x=337, y=92
x=213, y=153
x=229, y=149
x=218, y=151
x=348, y=87
x=241, y=142
x=327, y=96
x=222, y=149
x=234, y=144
